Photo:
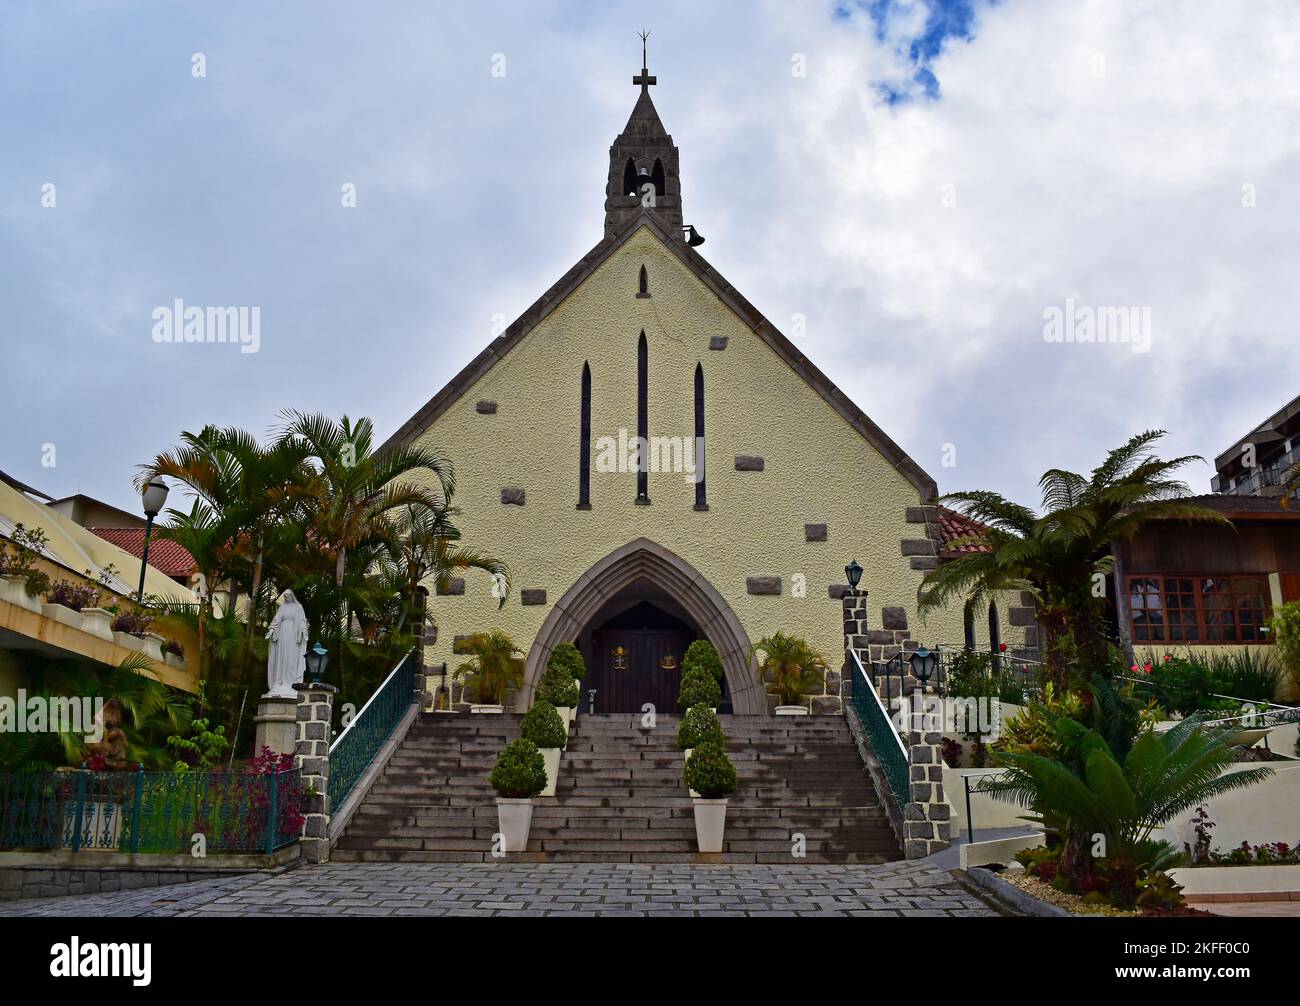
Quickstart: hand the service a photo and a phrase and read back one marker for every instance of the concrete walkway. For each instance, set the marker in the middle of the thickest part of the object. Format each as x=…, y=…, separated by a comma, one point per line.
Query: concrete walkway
x=544, y=889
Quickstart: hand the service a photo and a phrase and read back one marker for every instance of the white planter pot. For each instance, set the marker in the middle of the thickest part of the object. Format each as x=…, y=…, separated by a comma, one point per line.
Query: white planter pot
x=514, y=817
x=552, y=758
x=573, y=713
x=687, y=753
x=14, y=590
x=792, y=710
x=566, y=715
x=710, y=822
x=129, y=641
x=171, y=660
x=62, y=613
x=487, y=709
x=97, y=622
x=153, y=644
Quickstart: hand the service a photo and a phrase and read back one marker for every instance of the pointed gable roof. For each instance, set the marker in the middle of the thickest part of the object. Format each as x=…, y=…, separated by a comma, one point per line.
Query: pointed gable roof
x=711, y=278
x=644, y=122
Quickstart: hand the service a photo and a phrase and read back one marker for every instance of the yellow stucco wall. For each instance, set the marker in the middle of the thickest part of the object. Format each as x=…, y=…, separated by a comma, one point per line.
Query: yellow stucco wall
x=818, y=469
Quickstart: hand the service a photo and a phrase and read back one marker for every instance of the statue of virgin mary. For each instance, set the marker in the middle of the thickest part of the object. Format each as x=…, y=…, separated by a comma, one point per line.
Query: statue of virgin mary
x=286, y=658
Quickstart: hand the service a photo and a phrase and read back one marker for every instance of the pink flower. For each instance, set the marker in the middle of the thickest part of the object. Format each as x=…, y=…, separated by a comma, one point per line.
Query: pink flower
x=1168, y=657
x=1134, y=668
x=1147, y=668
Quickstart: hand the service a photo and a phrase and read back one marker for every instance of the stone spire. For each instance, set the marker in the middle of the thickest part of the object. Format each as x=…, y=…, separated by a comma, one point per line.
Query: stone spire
x=643, y=170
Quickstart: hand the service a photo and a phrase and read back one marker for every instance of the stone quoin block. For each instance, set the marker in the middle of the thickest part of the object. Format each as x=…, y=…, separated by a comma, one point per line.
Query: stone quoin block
x=924, y=562
x=916, y=546
x=836, y=591
x=748, y=463
x=768, y=585
x=718, y=342
x=532, y=595
x=486, y=408
x=512, y=496
x=921, y=515
x=814, y=532
x=893, y=618
x=1021, y=616
x=455, y=587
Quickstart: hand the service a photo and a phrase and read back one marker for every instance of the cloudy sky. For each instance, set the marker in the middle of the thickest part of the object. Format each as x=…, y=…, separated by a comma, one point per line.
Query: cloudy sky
x=919, y=181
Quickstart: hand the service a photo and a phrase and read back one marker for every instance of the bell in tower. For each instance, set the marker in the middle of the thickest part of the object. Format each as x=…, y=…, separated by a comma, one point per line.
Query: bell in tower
x=643, y=172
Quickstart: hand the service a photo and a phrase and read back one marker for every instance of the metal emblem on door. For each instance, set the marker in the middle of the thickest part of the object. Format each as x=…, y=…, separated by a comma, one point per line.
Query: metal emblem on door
x=669, y=663
x=620, y=658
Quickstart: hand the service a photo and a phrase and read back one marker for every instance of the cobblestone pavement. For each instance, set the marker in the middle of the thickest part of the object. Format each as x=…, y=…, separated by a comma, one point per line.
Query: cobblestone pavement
x=536, y=889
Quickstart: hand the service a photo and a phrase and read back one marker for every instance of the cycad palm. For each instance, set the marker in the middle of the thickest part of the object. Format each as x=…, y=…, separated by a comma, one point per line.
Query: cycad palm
x=1089, y=789
x=1057, y=554
x=789, y=666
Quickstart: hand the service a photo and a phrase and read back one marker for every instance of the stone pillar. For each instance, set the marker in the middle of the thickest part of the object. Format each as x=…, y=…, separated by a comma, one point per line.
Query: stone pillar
x=274, y=726
x=854, y=604
x=926, y=824
x=312, y=756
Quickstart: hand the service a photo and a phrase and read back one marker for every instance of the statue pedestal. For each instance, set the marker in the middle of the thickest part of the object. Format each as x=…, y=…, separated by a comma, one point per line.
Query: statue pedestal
x=275, y=724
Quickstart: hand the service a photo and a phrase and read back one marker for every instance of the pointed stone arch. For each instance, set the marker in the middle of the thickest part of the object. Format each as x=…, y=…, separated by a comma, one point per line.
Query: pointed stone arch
x=646, y=560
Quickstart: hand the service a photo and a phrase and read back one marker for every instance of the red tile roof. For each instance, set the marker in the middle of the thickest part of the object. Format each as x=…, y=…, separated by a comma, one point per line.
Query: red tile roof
x=165, y=556
x=953, y=525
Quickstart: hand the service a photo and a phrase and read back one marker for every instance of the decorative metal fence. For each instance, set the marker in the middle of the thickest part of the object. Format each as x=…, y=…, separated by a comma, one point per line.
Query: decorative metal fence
x=1013, y=678
x=355, y=748
x=889, y=748
x=149, y=812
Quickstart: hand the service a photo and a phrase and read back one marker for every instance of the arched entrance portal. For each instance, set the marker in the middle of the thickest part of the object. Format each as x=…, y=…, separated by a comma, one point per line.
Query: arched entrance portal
x=644, y=587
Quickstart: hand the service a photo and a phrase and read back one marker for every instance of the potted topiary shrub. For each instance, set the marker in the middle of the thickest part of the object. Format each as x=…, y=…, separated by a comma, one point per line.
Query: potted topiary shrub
x=791, y=669
x=558, y=686
x=566, y=659
x=699, y=726
x=495, y=665
x=710, y=773
x=702, y=656
x=699, y=688
x=518, y=775
x=543, y=725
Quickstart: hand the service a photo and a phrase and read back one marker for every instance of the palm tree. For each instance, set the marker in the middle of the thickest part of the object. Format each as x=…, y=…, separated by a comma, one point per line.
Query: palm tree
x=423, y=546
x=1290, y=484
x=790, y=666
x=248, y=488
x=354, y=490
x=1056, y=555
x=1088, y=789
x=495, y=664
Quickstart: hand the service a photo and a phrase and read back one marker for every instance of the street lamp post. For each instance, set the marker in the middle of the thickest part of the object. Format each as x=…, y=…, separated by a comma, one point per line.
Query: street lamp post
x=154, y=498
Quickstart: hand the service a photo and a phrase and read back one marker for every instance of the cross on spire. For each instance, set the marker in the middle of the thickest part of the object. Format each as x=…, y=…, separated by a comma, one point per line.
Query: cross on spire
x=645, y=79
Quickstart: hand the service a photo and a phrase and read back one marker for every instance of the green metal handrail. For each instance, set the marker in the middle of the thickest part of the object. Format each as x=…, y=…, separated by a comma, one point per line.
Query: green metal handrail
x=355, y=748
x=149, y=812
x=889, y=748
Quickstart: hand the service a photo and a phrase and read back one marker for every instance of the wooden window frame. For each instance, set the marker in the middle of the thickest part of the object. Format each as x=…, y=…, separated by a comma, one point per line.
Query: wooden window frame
x=1199, y=607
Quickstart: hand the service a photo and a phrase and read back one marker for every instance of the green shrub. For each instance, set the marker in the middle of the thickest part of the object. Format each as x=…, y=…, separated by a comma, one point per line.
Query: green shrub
x=1285, y=627
x=567, y=658
x=557, y=684
x=1191, y=683
x=1246, y=674
x=520, y=770
x=790, y=667
x=702, y=656
x=544, y=727
x=699, y=726
x=698, y=687
x=709, y=772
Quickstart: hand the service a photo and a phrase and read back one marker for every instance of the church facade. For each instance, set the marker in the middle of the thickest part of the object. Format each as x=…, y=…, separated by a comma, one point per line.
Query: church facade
x=656, y=462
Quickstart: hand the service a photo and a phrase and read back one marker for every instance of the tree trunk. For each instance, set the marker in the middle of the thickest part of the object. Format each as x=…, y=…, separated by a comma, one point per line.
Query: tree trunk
x=252, y=607
x=1056, y=650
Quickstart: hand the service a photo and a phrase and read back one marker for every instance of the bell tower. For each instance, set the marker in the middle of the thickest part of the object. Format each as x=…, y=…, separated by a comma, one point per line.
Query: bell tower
x=643, y=165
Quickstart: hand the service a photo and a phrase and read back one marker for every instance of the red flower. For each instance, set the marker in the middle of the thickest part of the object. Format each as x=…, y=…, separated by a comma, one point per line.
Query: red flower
x=1134, y=668
x=1168, y=657
x=1147, y=668
x=1002, y=647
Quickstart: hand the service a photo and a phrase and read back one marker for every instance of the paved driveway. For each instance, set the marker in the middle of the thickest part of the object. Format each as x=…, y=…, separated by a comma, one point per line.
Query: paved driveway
x=533, y=889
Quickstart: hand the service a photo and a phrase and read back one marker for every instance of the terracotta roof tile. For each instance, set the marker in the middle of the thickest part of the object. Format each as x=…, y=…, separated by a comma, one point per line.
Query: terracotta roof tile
x=953, y=525
x=164, y=556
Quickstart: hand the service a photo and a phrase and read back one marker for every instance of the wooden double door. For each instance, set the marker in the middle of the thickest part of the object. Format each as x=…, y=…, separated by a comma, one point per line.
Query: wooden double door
x=630, y=667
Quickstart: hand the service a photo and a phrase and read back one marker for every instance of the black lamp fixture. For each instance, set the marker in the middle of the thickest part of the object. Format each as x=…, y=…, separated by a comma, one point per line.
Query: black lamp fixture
x=318, y=659
x=693, y=237
x=153, y=499
x=924, y=664
x=854, y=573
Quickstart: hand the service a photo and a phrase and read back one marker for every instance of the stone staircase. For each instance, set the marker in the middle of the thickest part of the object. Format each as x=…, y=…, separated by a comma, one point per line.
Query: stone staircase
x=621, y=798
